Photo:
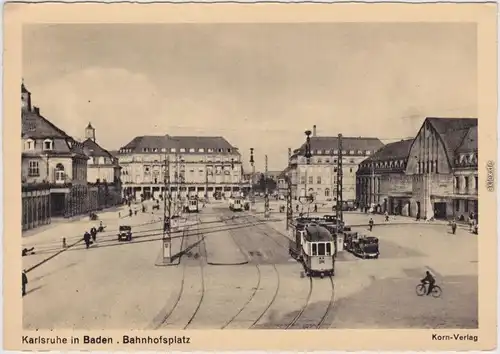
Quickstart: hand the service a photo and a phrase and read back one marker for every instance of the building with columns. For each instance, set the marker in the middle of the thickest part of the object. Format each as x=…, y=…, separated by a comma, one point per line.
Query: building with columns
x=197, y=166
x=53, y=169
x=103, y=172
x=319, y=178
x=439, y=175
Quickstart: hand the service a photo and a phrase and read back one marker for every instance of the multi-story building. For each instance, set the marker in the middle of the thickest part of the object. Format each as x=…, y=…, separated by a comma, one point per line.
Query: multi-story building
x=197, y=165
x=319, y=178
x=441, y=178
x=54, y=168
x=381, y=181
x=103, y=173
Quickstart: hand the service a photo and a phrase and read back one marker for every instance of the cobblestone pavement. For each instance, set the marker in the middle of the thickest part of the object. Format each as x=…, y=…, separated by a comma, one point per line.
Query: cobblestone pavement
x=116, y=285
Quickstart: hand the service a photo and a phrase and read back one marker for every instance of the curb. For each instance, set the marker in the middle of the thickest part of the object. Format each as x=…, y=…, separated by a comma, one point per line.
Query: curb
x=227, y=264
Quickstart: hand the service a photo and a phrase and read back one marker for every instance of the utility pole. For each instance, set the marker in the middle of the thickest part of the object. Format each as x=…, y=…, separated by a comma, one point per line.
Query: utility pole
x=206, y=183
x=252, y=195
x=289, y=206
x=339, y=213
x=266, y=200
x=167, y=220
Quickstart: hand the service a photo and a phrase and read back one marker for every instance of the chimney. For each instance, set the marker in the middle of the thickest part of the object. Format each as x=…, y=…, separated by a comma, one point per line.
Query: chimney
x=36, y=110
x=314, y=130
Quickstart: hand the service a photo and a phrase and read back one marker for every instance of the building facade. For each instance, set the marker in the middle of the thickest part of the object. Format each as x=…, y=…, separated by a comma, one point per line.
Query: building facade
x=319, y=178
x=53, y=168
x=103, y=173
x=381, y=181
x=439, y=177
x=197, y=166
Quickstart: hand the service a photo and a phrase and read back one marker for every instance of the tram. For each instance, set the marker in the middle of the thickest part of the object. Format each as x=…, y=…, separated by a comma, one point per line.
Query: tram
x=314, y=246
x=235, y=204
x=193, y=205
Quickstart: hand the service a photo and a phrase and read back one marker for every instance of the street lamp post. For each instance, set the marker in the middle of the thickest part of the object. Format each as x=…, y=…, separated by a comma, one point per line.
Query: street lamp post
x=266, y=196
x=167, y=215
x=307, y=198
x=252, y=195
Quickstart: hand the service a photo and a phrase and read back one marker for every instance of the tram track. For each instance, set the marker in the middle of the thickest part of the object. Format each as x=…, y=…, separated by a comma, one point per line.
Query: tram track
x=182, y=301
x=303, y=320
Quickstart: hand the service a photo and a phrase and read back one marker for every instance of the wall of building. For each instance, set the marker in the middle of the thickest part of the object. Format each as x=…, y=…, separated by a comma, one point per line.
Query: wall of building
x=101, y=173
x=35, y=208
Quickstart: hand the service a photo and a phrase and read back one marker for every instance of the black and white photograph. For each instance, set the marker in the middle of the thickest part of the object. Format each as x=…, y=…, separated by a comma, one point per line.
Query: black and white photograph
x=250, y=176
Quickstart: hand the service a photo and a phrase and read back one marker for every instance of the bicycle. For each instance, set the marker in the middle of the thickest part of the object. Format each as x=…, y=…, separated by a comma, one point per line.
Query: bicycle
x=422, y=290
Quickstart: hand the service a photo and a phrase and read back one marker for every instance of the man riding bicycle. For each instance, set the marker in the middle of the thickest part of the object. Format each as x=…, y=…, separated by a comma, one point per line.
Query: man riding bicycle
x=429, y=279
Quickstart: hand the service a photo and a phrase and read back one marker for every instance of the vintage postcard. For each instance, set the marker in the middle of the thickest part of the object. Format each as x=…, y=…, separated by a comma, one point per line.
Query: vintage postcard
x=250, y=177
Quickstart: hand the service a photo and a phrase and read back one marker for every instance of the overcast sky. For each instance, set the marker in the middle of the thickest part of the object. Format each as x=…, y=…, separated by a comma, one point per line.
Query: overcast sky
x=258, y=85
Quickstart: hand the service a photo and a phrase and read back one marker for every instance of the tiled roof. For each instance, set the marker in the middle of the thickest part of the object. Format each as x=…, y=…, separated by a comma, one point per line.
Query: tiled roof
x=94, y=149
x=114, y=153
x=139, y=143
x=454, y=131
x=35, y=126
x=392, y=151
x=38, y=127
x=348, y=144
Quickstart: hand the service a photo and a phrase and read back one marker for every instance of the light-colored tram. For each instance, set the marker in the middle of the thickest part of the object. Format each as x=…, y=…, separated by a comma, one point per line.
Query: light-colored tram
x=314, y=246
x=235, y=204
x=192, y=206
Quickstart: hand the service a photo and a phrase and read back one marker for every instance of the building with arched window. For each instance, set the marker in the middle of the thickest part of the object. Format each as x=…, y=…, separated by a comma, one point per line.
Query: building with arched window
x=54, y=169
x=433, y=175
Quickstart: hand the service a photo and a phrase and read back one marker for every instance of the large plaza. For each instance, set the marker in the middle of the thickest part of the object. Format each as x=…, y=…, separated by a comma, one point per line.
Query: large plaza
x=234, y=272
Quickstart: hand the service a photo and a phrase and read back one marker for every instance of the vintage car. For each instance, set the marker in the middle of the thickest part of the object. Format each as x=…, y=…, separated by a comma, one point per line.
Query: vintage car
x=124, y=233
x=365, y=247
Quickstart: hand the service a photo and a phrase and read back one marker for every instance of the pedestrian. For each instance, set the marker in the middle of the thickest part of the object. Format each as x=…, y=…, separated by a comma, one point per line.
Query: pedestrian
x=24, y=282
x=93, y=233
x=418, y=217
x=453, y=226
x=130, y=212
x=386, y=216
x=370, y=223
x=86, y=238
x=315, y=208
x=297, y=208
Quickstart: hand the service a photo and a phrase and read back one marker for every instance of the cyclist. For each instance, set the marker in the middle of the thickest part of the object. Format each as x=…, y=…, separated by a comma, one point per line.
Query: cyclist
x=429, y=279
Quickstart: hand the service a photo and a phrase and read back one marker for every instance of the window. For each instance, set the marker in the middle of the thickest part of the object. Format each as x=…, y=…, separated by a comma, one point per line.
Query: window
x=163, y=150
x=351, y=152
x=30, y=144
x=314, y=251
x=466, y=206
x=457, y=182
x=33, y=170
x=302, y=180
x=155, y=150
x=147, y=169
x=335, y=151
x=173, y=150
x=219, y=150
x=311, y=179
x=319, y=161
x=318, y=180
x=436, y=166
x=229, y=150
x=201, y=150
x=191, y=150
x=210, y=150
x=182, y=150
x=145, y=149
x=327, y=161
x=328, y=249
x=59, y=173
x=466, y=183
x=321, y=249
x=47, y=144
x=475, y=182
x=350, y=170
x=335, y=169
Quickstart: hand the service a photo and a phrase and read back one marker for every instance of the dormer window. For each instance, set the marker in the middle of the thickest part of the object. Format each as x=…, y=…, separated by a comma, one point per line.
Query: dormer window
x=229, y=150
x=29, y=144
x=48, y=144
x=335, y=151
x=368, y=152
x=201, y=150
x=145, y=150
x=173, y=150
x=155, y=150
x=163, y=150
x=210, y=150
x=219, y=150
x=191, y=150
x=182, y=150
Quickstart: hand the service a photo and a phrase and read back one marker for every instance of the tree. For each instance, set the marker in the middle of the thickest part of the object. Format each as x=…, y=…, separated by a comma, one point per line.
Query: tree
x=261, y=185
